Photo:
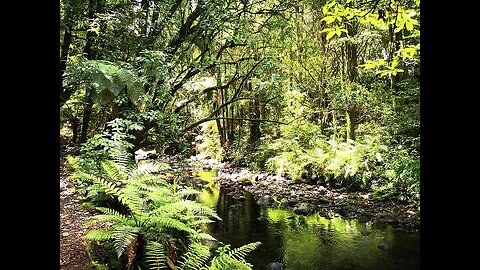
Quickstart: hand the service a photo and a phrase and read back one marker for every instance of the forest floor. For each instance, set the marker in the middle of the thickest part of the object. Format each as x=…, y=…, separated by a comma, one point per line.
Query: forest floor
x=73, y=254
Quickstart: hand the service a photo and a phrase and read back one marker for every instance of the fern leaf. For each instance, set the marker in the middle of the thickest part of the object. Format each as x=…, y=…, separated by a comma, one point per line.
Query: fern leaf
x=234, y=259
x=99, y=235
x=185, y=193
x=132, y=251
x=146, y=168
x=198, y=208
x=196, y=257
x=123, y=237
x=165, y=222
x=198, y=236
x=111, y=170
x=85, y=176
x=155, y=255
x=241, y=252
x=111, y=215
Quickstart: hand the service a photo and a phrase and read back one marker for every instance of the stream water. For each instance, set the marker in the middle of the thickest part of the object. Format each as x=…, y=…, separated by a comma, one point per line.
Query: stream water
x=307, y=242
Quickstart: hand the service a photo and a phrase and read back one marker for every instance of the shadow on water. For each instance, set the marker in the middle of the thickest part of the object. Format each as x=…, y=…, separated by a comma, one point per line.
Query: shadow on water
x=308, y=242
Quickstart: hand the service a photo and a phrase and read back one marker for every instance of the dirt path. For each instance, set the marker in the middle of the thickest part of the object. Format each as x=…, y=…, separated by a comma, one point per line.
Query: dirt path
x=72, y=229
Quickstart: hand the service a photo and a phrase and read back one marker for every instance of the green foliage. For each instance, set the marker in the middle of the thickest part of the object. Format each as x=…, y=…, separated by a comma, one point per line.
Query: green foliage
x=232, y=258
x=155, y=256
x=154, y=211
x=109, y=80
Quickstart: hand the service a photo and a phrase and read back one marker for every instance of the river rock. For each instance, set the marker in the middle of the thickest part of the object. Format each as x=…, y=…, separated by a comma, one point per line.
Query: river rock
x=275, y=266
x=303, y=209
x=141, y=154
x=261, y=219
x=363, y=219
x=264, y=200
x=383, y=246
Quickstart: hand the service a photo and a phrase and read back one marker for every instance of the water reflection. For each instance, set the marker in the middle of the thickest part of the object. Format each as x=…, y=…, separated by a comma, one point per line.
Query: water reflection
x=311, y=242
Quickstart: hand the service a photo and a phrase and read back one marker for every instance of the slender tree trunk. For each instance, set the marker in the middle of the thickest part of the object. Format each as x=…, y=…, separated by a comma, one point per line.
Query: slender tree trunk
x=75, y=126
x=90, y=52
x=87, y=113
x=351, y=122
x=352, y=74
x=254, y=126
x=65, y=93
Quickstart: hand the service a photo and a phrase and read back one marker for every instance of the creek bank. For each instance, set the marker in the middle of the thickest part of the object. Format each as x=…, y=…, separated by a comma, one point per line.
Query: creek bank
x=304, y=199
x=301, y=197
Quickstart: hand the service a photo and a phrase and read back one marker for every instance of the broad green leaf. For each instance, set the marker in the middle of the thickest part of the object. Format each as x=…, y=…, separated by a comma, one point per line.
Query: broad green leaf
x=330, y=34
x=328, y=19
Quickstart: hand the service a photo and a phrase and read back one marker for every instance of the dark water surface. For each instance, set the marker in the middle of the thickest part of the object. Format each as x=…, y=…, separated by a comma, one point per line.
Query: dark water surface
x=308, y=242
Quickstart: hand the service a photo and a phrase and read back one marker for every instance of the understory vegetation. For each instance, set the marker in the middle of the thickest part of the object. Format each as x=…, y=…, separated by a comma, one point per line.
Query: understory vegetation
x=320, y=91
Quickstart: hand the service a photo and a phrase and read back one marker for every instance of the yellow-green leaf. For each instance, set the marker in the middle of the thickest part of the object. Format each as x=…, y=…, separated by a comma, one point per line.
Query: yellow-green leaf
x=330, y=34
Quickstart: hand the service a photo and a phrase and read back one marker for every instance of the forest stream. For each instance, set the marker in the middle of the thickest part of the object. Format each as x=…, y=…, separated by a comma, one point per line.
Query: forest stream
x=304, y=241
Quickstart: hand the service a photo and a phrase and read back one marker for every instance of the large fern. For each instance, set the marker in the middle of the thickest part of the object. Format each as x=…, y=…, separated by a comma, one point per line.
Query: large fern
x=109, y=80
x=157, y=212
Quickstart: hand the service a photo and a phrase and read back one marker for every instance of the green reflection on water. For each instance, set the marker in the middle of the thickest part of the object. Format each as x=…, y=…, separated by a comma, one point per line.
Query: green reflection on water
x=315, y=242
x=308, y=242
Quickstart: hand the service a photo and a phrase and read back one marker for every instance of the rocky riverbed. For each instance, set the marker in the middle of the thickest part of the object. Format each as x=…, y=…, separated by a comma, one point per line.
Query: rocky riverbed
x=300, y=196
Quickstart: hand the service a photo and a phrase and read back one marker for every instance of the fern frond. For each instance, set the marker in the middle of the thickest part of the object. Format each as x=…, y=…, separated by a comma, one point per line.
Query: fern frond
x=234, y=259
x=111, y=215
x=198, y=208
x=109, y=187
x=184, y=193
x=120, y=155
x=85, y=176
x=122, y=237
x=226, y=262
x=241, y=252
x=111, y=170
x=155, y=256
x=99, y=235
x=199, y=220
x=198, y=236
x=146, y=168
x=133, y=202
x=196, y=257
x=165, y=222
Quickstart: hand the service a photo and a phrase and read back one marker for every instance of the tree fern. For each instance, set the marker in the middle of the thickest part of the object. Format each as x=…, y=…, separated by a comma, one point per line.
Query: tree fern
x=155, y=256
x=157, y=211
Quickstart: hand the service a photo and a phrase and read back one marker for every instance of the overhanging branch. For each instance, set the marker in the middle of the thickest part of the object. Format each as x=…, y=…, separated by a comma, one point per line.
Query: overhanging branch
x=230, y=118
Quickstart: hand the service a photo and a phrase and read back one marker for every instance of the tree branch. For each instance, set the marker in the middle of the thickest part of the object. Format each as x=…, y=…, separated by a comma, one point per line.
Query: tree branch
x=229, y=118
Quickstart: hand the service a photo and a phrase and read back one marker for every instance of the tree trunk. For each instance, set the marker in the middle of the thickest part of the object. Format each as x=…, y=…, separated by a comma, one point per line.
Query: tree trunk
x=87, y=113
x=352, y=74
x=351, y=122
x=254, y=126
x=65, y=93
x=75, y=127
x=91, y=55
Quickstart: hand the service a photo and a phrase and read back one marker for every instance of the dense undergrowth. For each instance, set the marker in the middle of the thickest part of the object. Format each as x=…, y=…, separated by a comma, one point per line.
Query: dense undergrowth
x=148, y=219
